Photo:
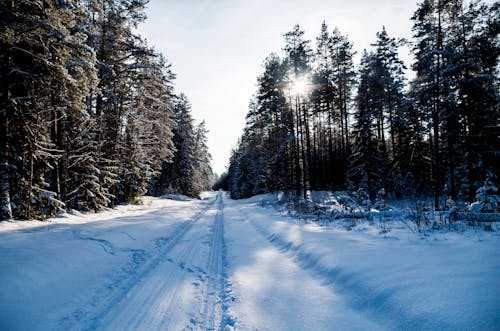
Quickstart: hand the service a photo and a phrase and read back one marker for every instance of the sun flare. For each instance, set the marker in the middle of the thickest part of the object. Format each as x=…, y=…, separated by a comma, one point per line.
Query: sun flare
x=299, y=86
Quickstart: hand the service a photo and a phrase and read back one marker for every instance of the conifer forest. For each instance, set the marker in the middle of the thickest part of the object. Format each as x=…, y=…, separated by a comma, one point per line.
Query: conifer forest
x=319, y=121
x=89, y=117
x=250, y=165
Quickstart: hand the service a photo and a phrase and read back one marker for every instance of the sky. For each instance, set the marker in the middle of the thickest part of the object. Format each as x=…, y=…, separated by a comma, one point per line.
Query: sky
x=217, y=47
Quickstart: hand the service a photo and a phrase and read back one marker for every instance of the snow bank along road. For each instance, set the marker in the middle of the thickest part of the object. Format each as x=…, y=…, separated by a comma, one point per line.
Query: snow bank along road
x=219, y=264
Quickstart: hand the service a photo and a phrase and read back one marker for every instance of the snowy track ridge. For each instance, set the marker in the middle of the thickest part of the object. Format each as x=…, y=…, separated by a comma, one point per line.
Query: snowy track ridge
x=376, y=303
x=112, y=294
x=212, y=309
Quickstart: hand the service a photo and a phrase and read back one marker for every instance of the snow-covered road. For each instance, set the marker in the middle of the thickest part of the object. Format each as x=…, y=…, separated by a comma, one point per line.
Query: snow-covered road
x=219, y=264
x=270, y=289
x=182, y=287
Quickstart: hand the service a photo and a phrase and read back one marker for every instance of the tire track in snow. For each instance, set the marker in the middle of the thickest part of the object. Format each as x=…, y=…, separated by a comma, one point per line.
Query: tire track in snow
x=156, y=296
x=164, y=300
x=214, y=307
x=112, y=294
x=373, y=302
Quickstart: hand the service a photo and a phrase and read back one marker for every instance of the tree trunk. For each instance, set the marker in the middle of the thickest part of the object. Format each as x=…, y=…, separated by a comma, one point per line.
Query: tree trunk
x=5, y=114
x=436, y=172
x=307, y=148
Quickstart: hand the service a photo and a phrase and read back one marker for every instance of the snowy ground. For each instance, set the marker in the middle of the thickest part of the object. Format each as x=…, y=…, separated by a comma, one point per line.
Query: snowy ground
x=220, y=264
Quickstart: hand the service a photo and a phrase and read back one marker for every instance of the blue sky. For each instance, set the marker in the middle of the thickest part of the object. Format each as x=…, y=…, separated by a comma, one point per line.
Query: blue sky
x=217, y=48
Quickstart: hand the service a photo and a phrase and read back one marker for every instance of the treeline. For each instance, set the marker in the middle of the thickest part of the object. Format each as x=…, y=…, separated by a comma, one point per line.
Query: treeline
x=318, y=122
x=88, y=114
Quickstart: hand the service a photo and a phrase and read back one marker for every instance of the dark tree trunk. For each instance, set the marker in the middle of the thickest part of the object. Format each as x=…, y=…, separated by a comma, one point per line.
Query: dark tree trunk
x=5, y=119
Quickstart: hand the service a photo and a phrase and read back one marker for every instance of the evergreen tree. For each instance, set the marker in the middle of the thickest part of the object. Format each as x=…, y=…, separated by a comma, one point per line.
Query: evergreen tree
x=390, y=115
x=428, y=86
x=299, y=54
x=456, y=69
x=488, y=194
x=343, y=76
x=203, y=176
x=435, y=138
x=39, y=76
x=368, y=162
x=86, y=118
x=178, y=177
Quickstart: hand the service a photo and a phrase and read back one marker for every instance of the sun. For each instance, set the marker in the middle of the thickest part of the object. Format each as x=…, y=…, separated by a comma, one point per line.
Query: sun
x=299, y=86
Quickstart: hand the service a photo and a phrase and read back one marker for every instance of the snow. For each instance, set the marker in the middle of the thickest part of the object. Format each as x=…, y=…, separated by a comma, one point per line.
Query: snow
x=55, y=274
x=216, y=263
x=272, y=291
x=447, y=280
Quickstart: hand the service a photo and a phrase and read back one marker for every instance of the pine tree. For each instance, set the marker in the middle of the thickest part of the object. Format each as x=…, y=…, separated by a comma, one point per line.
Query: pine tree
x=75, y=177
x=488, y=194
x=86, y=106
x=86, y=191
x=343, y=76
x=435, y=138
x=298, y=56
x=33, y=99
x=178, y=176
x=428, y=34
x=116, y=47
x=475, y=63
x=148, y=130
x=368, y=162
x=156, y=98
x=272, y=114
x=391, y=99
x=392, y=76
x=455, y=65
x=203, y=175
x=323, y=94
